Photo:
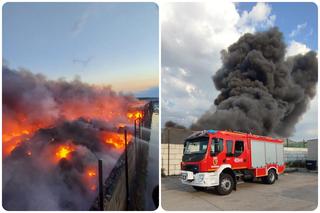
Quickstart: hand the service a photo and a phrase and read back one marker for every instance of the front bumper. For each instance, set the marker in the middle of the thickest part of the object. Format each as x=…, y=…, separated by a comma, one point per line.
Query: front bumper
x=202, y=179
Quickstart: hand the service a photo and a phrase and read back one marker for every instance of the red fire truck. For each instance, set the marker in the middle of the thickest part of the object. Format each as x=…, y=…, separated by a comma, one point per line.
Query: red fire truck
x=220, y=159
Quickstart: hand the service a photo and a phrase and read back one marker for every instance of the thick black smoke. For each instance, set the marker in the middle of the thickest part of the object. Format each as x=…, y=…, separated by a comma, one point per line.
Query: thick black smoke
x=261, y=91
x=174, y=125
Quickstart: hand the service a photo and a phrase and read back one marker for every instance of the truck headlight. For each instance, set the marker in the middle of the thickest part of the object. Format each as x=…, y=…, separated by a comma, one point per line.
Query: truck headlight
x=200, y=177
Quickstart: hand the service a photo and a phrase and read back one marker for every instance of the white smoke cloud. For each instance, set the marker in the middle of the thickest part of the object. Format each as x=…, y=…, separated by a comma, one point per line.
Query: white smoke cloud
x=295, y=48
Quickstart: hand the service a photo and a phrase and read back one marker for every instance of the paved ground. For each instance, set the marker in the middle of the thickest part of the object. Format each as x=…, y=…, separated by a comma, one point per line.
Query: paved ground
x=292, y=191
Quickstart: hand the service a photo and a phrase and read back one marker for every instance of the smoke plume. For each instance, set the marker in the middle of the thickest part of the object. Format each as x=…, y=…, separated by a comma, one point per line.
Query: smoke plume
x=53, y=133
x=261, y=91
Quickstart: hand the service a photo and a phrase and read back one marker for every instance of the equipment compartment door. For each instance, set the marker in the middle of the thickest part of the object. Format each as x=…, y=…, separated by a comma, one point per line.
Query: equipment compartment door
x=258, y=154
x=271, y=153
x=279, y=148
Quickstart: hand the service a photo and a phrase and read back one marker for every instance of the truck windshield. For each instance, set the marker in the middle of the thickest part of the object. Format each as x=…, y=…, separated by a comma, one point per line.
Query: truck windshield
x=195, y=149
x=196, y=146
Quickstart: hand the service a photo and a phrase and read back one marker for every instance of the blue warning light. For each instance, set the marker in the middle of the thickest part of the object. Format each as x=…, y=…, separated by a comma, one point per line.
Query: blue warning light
x=212, y=131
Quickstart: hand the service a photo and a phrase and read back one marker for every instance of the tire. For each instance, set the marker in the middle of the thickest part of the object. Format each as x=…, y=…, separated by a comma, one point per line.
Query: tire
x=270, y=178
x=198, y=188
x=226, y=184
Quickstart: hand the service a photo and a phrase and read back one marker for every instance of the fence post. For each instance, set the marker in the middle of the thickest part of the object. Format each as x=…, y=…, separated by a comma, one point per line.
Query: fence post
x=100, y=185
x=126, y=167
x=168, y=152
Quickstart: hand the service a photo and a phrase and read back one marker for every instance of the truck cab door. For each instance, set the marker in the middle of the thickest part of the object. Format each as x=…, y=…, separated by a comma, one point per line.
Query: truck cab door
x=240, y=155
x=236, y=155
x=229, y=152
x=216, y=153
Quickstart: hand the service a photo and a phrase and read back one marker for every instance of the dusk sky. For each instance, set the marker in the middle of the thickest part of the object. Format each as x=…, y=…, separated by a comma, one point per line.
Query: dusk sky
x=193, y=35
x=103, y=43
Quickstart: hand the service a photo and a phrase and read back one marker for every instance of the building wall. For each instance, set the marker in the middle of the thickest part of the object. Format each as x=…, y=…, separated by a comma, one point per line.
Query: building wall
x=175, y=157
x=312, y=149
x=172, y=140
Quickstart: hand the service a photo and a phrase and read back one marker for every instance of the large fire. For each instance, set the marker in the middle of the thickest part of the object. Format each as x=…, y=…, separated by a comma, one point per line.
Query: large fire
x=55, y=131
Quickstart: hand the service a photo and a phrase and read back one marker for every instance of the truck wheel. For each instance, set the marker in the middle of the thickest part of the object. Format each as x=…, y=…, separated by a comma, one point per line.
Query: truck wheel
x=198, y=188
x=226, y=184
x=270, y=178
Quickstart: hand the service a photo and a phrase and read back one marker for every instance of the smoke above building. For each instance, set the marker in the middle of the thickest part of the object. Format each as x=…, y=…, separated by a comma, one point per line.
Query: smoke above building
x=261, y=90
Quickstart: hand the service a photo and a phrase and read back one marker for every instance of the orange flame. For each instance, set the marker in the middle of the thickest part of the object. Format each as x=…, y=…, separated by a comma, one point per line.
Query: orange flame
x=116, y=139
x=93, y=187
x=130, y=115
x=91, y=173
x=121, y=125
x=16, y=128
x=134, y=115
x=12, y=140
x=90, y=179
x=63, y=151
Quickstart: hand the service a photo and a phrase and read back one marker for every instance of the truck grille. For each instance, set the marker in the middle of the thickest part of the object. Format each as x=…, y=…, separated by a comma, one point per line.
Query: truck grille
x=191, y=168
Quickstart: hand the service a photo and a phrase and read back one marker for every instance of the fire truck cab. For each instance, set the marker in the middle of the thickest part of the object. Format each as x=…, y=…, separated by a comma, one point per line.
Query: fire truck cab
x=220, y=159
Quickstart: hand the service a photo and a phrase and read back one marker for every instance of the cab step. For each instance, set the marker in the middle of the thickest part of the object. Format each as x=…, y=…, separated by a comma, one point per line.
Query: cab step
x=240, y=182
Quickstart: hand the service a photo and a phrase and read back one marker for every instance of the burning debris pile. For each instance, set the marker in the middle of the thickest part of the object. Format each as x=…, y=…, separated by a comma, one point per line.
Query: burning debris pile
x=53, y=133
x=261, y=91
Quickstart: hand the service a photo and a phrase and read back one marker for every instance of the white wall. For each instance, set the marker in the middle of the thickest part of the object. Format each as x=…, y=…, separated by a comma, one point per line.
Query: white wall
x=176, y=152
x=313, y=149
